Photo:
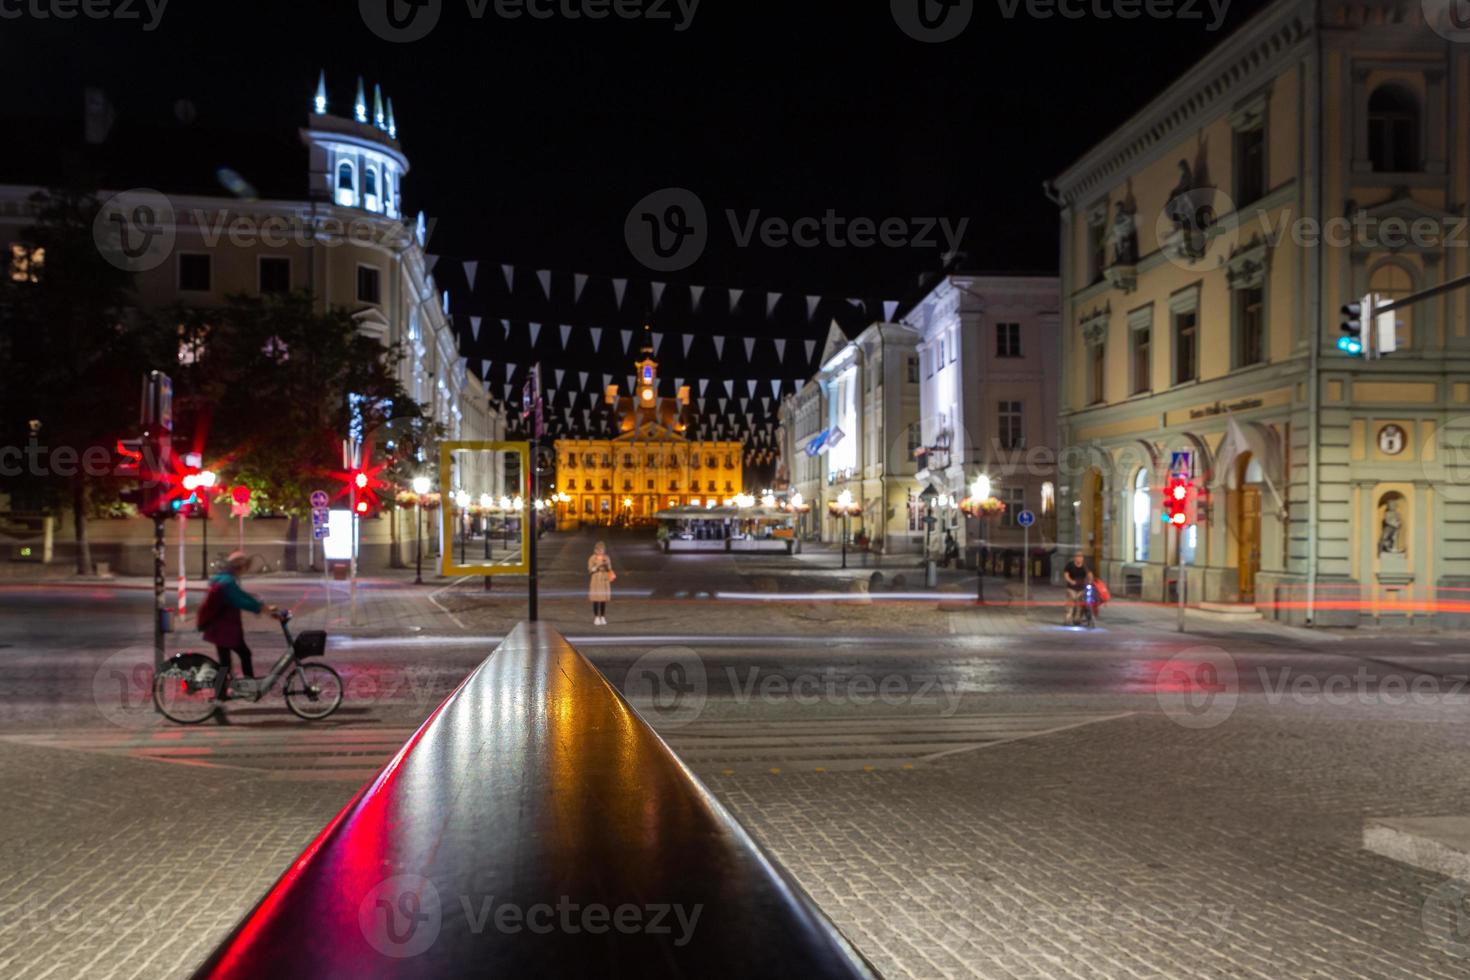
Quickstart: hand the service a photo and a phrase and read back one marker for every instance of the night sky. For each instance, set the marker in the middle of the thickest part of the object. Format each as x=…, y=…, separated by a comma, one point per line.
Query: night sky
x=531, y=140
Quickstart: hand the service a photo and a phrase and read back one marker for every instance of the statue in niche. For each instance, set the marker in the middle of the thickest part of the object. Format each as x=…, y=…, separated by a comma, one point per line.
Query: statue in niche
x=1180, y=207
x=1124, y=235
x=1391, y=534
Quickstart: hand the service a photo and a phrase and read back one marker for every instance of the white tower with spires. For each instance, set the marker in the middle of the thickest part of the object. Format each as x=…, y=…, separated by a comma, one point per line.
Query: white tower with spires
x=356, y=161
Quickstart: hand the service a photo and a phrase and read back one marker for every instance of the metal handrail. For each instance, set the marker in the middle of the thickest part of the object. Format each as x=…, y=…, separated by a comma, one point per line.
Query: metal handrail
x=534, y=825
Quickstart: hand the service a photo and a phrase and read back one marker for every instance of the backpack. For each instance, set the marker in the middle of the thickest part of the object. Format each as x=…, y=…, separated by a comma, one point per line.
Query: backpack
x=209, y=610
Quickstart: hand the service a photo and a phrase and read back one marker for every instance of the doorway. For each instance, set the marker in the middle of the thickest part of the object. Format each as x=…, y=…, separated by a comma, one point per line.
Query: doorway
x=1247, y=524
x=1094, y=540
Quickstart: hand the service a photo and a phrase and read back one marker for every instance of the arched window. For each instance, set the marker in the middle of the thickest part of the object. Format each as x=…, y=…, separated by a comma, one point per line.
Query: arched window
x=1393, y=130
x=346, y=184
x=370, y=188
x=1392, y=281
x=1142, y=515
x=388, y=191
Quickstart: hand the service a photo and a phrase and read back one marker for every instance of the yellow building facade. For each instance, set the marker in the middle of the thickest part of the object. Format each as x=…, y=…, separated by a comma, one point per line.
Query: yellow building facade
x=1208, y=246
x=650, y=465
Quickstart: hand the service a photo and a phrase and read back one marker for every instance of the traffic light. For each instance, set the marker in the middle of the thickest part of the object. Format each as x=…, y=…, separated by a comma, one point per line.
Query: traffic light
x=1356, y=316
x=146, y=461
x=1176, y=500
x=362, y=489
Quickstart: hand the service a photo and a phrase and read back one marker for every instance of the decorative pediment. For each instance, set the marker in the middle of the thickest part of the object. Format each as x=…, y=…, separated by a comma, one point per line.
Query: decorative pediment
x=650, y=432
x=1403, y=224
x=1246, y=267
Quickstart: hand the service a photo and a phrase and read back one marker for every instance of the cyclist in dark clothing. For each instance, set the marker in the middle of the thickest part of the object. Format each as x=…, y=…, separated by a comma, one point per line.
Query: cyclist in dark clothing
x=224, y=628
x=1077, y=575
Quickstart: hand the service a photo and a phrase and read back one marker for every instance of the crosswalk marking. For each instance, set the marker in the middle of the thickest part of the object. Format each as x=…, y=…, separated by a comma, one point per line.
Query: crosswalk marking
x=356, y=754
x=864, y=745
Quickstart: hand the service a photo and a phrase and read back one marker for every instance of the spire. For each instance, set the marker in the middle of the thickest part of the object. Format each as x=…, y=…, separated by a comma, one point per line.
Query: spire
x=319, y=103
x=378, y=119
x=392, y=123
x=359, y=105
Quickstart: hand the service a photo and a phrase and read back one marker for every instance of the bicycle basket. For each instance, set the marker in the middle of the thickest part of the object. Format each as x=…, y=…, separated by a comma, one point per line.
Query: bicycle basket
x=311, y=643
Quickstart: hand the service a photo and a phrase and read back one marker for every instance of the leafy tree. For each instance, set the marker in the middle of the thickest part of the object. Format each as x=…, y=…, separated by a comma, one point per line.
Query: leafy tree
x=73, y=356
x=273, y=387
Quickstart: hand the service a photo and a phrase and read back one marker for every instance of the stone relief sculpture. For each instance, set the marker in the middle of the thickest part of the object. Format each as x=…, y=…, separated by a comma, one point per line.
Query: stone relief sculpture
x=1124, y=235
x=1391, y=534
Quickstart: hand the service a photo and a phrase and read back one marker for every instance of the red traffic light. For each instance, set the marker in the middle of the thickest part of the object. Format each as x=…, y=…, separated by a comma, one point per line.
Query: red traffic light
x=362, y=506
x=360, y=479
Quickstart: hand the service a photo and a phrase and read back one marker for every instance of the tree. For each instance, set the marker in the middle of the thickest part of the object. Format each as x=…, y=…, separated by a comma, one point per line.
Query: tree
x=73, y=359
x=273, y=386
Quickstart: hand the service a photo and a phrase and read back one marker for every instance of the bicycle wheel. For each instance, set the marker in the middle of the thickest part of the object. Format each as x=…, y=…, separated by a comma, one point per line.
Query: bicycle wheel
x=184, y=689
x=313, y=691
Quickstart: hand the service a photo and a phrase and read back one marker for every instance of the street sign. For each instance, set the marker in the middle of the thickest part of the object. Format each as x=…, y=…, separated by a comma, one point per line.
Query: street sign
x=321, y=532
x=238, y=509
x=320, y=516
x=1025, y=518
x=1181, y=463
x=319, y=499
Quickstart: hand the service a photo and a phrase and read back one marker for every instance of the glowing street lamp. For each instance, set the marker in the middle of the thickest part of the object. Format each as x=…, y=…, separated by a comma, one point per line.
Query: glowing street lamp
x=462, y=500
x=421, y=486
x=844, y=506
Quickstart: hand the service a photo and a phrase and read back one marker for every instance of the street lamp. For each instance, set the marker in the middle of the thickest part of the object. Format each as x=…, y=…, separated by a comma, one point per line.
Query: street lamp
x=981, y=506
x=462, y=500
x=844, y=507
x=421, y=486
x=486, y=503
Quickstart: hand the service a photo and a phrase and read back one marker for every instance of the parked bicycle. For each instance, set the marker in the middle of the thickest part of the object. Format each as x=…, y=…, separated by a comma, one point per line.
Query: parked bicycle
x=184, y=688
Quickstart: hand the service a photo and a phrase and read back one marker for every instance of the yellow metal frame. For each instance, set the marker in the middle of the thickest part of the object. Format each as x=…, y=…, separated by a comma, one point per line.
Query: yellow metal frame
x=446, y=507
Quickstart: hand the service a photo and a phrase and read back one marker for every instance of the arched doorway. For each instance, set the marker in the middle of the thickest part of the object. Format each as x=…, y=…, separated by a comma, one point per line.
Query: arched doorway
x=1141, y=514
x=1245, y=524
x=1093, y=538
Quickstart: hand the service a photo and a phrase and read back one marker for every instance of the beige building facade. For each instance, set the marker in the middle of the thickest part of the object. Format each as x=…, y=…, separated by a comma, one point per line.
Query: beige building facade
x=1207, y=247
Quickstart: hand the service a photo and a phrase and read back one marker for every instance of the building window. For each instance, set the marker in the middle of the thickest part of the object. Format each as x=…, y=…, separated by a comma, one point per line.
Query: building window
x=368, y=284
x=916, y=440
x=1186, y=347
x=913, y=370
x=370, y=188
x=1142, y=515
x=346, y=185
x=1007, y=340
x=1393, y=130
x=652, y=461
x=1012, y=430
x=1142, y=359
x=1250, y=327
x=1250, y=165
x=928, y=364
x=1097, y=242
x=26, y=263
x=650, y=484
x=1015, y=501
x=1096, y=373
x=194, y=273
x=275, y=275
x=628, y=460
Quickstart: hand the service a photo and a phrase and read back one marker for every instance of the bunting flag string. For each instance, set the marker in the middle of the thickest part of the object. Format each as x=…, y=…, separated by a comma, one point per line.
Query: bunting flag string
x=620, y=286
x=475, y=328
x=780, y=343
x=811, y=348
x=696, y=294
x=719, y=346
x=579, y=283
x=596, y=338
x=811, y=306
x=658, y=292
x=544, y=275
x=771, y=300
x=749, y=348
x=627, y=342
x=535, y=333
x=471, y=270
x=566, y=333
x=509, y=271
x=735, y=295
x=688, y=339
x=890, y=306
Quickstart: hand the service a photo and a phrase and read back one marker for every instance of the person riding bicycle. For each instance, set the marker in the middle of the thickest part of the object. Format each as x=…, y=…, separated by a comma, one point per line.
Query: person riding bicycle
x=219, y=618
x=1077, y=576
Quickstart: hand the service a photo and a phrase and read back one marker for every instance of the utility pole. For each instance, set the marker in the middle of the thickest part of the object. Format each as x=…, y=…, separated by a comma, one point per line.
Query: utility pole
x=531, y=406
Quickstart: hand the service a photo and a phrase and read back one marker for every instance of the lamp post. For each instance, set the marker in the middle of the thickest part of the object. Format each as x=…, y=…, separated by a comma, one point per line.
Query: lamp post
x=486, y=503
x=462, y=501
x=844, y=507
x=421, y=486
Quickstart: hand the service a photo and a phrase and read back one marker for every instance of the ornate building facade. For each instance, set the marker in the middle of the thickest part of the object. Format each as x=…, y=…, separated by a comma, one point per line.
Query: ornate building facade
x=1208, y=246
x=650, y=465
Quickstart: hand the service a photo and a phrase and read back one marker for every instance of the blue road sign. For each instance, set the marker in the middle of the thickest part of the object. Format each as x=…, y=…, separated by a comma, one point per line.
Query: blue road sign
x=1181, y=462
x=1025, y=518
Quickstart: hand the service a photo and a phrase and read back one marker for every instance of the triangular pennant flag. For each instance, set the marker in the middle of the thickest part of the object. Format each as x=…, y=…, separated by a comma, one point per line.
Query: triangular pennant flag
x=566, y=332
x=688, y=339
x=508, y=387
x=620, y=286
x=811, y=306
x=606, y=380
x=509, y=271
x=430, y=261
x=582, y=380
x=703, y=384
x=545, y=276
x=696, y=293
x=627, y=339
x=889, y=306
x=658, y=340
x=560, y=372
x=485, y=371
x=771, y=300
x=630, y=383
x=535, y=333
x=811, y=346
x=776, y=388
x=750, y=387
x=471, y=269
x=678, y=383
x=780, y=348
x=510, y=369
x=596, y=338
x=749, y=347
x=719, y=346
x=658, y=292
x=475, y=328
x=505, y=326
x=579, y=282
x=735, y=295
x=729, y=389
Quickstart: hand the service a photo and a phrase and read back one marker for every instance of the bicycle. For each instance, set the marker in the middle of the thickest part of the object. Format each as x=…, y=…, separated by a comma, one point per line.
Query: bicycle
x=184, y=689
x=1089, y=605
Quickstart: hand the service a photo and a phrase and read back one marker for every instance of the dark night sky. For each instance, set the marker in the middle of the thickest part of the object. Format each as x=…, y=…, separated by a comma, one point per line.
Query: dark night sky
x=530, y=140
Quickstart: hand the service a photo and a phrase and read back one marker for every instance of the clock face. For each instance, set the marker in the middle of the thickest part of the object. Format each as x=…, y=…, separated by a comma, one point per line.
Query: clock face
x=1391, y=440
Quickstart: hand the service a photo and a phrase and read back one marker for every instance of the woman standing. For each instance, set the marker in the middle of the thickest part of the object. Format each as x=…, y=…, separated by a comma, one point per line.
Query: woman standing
x=599, y=566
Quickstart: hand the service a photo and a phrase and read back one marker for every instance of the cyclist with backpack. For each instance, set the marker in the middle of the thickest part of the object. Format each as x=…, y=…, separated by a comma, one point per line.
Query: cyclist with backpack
x=219, y=619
